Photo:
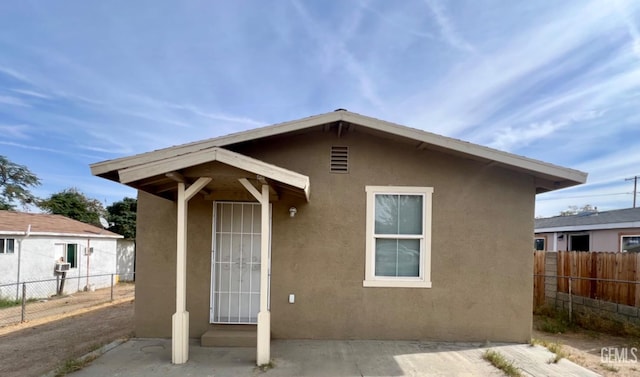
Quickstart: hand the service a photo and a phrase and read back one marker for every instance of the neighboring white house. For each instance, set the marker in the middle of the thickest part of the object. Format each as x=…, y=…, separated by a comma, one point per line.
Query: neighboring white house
x=33, y=244
x=616, y=230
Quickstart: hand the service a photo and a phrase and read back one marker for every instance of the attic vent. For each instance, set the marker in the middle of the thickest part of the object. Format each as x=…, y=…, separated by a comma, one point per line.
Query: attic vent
x=339, y=159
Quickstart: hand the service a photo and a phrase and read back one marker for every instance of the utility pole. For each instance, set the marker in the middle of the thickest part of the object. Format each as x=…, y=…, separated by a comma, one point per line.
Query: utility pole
x=635, y=187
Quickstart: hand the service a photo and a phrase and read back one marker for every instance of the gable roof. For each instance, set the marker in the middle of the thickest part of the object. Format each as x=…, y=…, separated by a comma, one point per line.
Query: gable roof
x=620, y=218
x=42, y=224
x=548, y=176
x=216, y=154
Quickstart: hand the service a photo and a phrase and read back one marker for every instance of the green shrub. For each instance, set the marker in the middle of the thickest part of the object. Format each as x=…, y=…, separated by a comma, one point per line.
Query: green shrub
x=7, y=303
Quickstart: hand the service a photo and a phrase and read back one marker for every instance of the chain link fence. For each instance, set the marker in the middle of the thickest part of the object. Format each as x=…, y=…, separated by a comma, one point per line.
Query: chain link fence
x=573, y=300
x=27, y=301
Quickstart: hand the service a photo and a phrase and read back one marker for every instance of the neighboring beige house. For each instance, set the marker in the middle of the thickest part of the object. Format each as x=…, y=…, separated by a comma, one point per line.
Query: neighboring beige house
x=31, y=244
x=617, y=230
x=336, y=226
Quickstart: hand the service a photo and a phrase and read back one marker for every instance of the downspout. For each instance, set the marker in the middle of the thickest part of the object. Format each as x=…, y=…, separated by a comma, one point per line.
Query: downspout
x=88, y=287
x=26, y=234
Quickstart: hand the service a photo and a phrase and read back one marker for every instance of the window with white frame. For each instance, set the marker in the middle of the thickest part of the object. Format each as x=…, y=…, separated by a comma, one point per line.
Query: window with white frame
x=398, y=244
x=539, y=243
x=630, y=243
x=7, y=245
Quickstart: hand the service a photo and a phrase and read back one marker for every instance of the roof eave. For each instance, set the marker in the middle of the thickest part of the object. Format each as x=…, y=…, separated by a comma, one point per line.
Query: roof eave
x=559, y=177
x=578, y=228
x=58, y=234
x=554, y=177
x=104, y=168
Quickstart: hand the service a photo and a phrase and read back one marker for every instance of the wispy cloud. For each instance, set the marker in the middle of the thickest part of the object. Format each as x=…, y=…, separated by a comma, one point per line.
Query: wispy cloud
x=13, y=101
x=396, y=24
x=511, y=137
x=447, y=29
x=50, y=150
x=17, y=131
x=197, y=111
x=14, y=74
x=627, y=16
x=31, y=93
x=337, y=56
x=482, y=85
x=613, y=166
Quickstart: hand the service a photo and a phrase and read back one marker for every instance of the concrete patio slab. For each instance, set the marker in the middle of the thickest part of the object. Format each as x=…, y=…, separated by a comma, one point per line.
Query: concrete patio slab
x=152, y=358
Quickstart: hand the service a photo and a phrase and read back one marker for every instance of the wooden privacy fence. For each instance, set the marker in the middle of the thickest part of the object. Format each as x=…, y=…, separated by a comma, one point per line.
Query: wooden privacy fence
x=538, y=278
x=607, y=276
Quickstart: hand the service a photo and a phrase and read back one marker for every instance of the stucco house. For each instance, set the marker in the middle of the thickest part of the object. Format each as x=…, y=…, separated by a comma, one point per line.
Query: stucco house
x=616, y=230
x=335, y=226
x=31, y=244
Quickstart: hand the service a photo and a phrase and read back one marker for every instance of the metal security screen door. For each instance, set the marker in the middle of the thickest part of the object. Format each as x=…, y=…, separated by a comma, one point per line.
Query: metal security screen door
x=235, y=274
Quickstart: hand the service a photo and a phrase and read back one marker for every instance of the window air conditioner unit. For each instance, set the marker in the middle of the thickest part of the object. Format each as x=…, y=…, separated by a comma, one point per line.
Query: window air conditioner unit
x=63, y=267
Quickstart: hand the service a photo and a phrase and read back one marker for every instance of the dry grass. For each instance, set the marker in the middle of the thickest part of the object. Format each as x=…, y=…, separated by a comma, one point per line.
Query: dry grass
x=609, y=367
x=73, y=365
x=499, y=361
x=555, y=348
x=555, y=321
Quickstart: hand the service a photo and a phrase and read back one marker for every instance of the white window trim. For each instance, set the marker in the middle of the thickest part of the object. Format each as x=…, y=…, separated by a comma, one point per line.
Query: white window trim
x=621, y=239
x=5, y=246
x=424, y=280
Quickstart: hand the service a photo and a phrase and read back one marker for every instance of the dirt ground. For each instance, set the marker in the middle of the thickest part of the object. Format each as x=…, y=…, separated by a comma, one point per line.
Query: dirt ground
x=55, y=307
x=40, y=345
x=586, y=349
x=78, y=326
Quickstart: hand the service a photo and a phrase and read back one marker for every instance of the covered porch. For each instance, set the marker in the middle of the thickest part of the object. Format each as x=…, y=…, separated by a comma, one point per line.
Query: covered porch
x=218, y=175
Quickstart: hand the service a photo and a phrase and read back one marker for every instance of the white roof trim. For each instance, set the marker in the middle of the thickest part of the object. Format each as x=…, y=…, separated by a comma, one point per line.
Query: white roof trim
x=281, y=128
x=57, y=234
x=577, y=228
x=472, y=149
x=224, y=156
x=508, y=159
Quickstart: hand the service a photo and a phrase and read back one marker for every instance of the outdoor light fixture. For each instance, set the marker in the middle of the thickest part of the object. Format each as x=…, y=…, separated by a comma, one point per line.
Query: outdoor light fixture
x=292, y=211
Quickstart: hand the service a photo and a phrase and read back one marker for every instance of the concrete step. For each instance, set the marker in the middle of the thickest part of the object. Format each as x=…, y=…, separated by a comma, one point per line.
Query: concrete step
x=230, y=336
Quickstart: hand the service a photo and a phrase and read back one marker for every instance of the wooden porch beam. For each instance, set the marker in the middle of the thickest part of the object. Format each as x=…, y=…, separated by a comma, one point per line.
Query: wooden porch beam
x=174, y=175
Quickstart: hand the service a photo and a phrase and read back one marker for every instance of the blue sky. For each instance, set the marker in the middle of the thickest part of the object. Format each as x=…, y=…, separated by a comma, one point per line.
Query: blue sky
x=559, y=81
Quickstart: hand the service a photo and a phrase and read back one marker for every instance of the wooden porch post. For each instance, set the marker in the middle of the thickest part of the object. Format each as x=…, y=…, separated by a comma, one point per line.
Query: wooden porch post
x=263, y=347
x=180, y=319
x=263, y=351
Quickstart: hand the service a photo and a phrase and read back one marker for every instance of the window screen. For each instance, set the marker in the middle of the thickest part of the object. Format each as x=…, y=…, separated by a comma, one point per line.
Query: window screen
x=398, y=233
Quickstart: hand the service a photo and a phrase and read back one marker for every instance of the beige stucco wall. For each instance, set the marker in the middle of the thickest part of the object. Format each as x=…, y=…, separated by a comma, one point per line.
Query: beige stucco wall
x=481, y=249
